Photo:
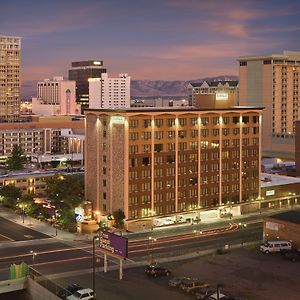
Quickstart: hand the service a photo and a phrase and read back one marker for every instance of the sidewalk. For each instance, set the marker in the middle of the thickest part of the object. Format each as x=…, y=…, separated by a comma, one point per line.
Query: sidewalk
x=157, y=232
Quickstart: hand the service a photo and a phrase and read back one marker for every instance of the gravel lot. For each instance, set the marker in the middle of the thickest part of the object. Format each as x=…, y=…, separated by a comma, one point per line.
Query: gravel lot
x=245, y=273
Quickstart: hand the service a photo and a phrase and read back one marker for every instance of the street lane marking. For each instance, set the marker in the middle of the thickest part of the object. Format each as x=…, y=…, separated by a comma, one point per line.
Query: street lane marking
x=7, y=238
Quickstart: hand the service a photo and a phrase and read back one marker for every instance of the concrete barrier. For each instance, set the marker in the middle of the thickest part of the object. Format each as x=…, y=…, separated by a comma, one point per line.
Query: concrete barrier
x=12, y=285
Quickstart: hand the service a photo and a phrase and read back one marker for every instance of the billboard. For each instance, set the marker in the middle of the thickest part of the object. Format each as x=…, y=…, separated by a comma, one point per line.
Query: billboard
x=113, y=244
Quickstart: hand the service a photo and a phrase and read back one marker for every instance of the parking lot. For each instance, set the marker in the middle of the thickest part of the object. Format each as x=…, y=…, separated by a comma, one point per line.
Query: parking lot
x=245, y=273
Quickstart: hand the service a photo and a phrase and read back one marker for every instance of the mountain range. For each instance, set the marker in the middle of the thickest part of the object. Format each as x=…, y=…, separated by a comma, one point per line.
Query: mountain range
x=142, y=88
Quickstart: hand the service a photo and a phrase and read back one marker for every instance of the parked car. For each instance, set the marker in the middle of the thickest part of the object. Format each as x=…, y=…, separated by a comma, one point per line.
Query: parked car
x=84, y=294
x=192, y=285
x=293, y=255
x=214, y=296
x=203, y=294
x=176, y=281
x=69, y=290
x=155, y=270
x=275, y=246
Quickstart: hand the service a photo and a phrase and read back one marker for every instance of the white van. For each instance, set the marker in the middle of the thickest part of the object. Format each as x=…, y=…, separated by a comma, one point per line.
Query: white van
x=275, y=246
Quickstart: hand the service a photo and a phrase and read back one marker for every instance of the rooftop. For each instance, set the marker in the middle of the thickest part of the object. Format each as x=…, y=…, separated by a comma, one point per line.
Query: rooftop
x=292, y=216
x=172, y=109
x=269, y=180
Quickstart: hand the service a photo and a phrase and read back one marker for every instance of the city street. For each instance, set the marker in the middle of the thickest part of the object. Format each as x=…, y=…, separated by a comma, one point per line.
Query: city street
x=10, y=231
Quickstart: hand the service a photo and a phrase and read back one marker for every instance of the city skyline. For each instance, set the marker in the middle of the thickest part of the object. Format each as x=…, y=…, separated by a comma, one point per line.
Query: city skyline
x=157, y=40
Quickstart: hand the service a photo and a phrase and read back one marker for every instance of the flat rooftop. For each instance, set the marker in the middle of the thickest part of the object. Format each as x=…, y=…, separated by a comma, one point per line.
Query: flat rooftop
x=292, y=216
x=269, y=180
x=172, y=109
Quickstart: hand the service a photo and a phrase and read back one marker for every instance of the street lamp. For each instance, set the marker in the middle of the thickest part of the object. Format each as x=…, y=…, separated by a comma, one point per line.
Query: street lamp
x=95, y=238
x=33, y=255
x=151, y=242
x=23, y=206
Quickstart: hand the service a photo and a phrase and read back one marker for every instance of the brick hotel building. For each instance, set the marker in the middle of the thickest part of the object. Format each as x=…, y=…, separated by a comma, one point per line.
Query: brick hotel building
x=159, y=162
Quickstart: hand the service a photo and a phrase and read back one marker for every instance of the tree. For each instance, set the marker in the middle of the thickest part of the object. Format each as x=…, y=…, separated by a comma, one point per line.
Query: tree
x=119, y=217
x=15, y=161
x=10, y=195
x=66, y=193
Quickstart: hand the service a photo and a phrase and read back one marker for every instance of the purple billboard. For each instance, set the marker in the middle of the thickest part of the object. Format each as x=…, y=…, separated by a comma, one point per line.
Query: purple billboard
x=113, y=244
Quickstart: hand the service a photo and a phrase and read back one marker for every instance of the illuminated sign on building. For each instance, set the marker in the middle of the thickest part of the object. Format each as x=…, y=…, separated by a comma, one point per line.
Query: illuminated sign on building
x=117, y=120
x=113, y=244
x=270, y=193
x=98, y=63
x=221, y=96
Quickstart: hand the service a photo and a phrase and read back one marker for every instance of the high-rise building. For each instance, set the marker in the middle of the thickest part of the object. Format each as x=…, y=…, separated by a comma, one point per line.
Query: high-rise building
x=81, y=71
x=10, y=61
x=273, y=81
x=55, y=97
x=107, y=92
x=166, y=162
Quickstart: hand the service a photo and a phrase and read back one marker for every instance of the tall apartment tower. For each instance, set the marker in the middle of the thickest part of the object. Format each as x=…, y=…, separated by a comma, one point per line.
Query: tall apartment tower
x=55, y=97
x=107, y=92
x=155, y=163
x=273, y=81
x=10, y=61
x=81, y=71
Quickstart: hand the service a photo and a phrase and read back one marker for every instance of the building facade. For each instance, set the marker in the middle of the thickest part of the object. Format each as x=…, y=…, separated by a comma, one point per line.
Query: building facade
x=42, y=137
x=81, y=71
x=55, y=97
x=283, y=226
x=273, y=81
x=167, y=161
x=215, y=90
x=108, y=92
x=10, y=62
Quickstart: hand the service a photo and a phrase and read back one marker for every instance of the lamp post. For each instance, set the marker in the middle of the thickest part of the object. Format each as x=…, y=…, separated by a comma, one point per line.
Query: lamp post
x=150, y=245
x=23, y=206
x=33, y=255
x=95, y=238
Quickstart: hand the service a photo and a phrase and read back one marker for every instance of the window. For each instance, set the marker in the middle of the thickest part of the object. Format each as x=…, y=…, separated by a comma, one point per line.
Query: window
x=170, y=159
x=182, y=121
x=194, y=121
x=158, y=147
x=171, y=134
x=236, y=120
x=133, y=123
x=159, y=122
x=205, y=121
x=146, y=161
x=204, y=132
x=171, y=122
x=147, y=123
x=216, y=120
x=146, y=135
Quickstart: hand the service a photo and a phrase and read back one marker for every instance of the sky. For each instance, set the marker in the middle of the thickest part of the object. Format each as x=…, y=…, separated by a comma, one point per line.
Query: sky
x=149, y=39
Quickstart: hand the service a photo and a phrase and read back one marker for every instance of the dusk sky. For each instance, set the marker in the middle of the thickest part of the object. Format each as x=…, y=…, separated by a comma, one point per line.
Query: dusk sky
x=149, y=39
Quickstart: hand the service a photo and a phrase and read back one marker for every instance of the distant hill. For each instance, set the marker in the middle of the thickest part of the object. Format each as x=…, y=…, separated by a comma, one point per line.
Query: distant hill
x=142, y=88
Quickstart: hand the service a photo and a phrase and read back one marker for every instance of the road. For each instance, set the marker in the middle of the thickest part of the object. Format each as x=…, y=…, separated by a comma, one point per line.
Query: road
x=10, y=231
x=55, y=257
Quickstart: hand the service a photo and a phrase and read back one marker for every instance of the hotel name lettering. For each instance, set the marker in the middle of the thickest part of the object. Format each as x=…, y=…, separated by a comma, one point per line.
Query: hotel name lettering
x=105, y=243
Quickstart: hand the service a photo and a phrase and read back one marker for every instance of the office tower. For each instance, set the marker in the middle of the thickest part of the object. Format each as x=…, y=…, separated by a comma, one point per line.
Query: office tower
x=273, y=81
x=222, y=90
x=158, y=162
x=56, y=97
x=81, y=71
x=10, y=61
x=106, y=92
